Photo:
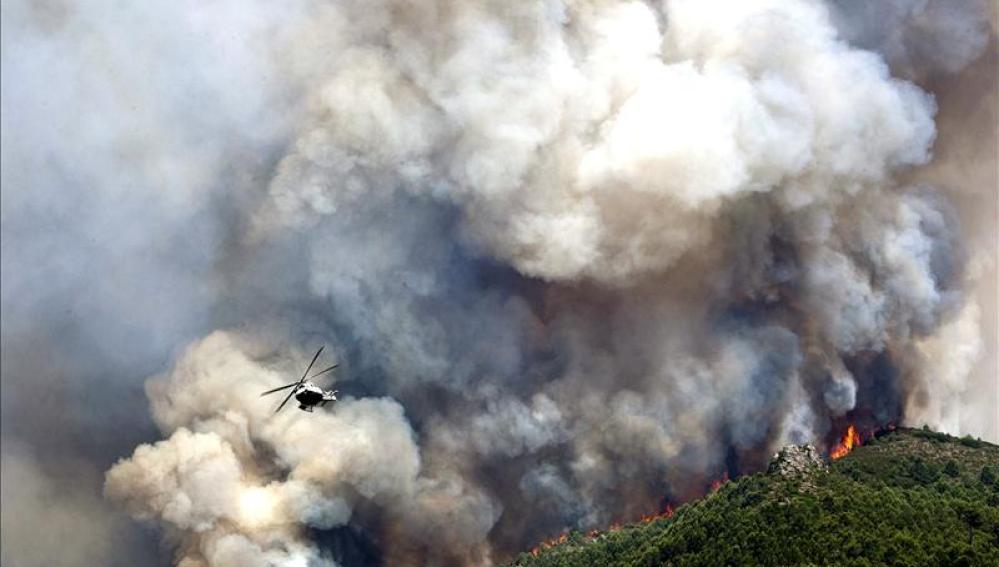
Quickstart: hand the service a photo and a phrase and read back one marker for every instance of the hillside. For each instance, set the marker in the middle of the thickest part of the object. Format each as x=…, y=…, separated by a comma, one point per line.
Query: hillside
x=910, y=497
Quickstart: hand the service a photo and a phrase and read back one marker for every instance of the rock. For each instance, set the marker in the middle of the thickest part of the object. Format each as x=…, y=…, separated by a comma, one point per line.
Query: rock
x=796, y=461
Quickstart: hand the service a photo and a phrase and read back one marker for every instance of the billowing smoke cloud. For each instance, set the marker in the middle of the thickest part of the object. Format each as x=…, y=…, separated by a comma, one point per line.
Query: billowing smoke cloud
x=923, y=36
x=575, y=260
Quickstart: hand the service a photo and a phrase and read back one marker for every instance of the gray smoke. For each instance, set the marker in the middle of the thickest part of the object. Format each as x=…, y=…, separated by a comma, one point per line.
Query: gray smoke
x=916, y=37
x=575, y=260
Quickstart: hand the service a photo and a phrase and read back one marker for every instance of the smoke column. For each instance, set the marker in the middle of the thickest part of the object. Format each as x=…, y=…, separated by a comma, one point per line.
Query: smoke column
x=575, y=260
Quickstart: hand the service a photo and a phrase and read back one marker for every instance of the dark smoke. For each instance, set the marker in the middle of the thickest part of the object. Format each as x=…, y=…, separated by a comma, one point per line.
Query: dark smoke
x=576, y=261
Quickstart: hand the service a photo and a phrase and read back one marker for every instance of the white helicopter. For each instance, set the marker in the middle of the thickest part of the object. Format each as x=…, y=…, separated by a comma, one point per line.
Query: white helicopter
x=308, y=394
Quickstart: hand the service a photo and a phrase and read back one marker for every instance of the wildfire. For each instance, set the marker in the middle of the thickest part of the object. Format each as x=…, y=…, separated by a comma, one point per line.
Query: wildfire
x=850, y=440
x=666, y=513
x=549, y=543
x=717, y=483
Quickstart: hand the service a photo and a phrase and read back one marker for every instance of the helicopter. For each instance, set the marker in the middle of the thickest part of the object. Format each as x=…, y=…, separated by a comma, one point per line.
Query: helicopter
x=305, y=392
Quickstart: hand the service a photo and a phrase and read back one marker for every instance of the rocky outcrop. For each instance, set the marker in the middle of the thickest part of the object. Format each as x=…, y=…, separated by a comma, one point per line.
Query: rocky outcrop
x=796, y=461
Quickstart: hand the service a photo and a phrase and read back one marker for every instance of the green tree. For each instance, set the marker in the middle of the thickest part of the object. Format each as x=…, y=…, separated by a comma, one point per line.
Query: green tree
x=987, y=476
x=951, y=469
x=971, y=516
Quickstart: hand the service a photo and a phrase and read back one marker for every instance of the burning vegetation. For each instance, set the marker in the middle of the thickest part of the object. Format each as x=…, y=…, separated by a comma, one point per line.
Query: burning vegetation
x=943, y=492
x=853, y=438
x=664, y=514
x=850, y=440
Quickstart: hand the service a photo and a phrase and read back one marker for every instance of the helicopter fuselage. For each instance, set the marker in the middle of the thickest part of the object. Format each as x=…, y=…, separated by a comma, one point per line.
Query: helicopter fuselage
x=309, y=395
x=305, y=391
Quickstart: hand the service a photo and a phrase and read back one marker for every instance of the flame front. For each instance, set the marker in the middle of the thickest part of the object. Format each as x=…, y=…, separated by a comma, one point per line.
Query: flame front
x=667, y=512
x=850, y=440
x=717, y=483
x=549, y=543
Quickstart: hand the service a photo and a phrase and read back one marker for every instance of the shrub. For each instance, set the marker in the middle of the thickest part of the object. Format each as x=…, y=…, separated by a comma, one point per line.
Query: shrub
x=951, y=469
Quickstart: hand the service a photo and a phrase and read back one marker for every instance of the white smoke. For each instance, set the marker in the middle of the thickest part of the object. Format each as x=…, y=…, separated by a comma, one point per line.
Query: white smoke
x=603, y=149
x=213, y=482
x=613, y=149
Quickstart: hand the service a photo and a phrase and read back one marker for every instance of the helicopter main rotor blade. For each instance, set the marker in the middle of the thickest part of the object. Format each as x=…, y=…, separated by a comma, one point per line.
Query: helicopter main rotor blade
x=290, y=394
x=323, y=371
x=311, y=363
x=278, y=389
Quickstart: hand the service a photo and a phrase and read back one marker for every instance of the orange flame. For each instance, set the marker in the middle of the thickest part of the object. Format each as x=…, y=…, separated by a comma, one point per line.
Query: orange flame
x=666, y=513
x=717, y=483
x=850, y=440
x=549, y=543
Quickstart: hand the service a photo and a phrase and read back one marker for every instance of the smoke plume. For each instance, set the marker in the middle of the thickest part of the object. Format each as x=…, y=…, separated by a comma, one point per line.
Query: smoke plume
x=575, y=260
